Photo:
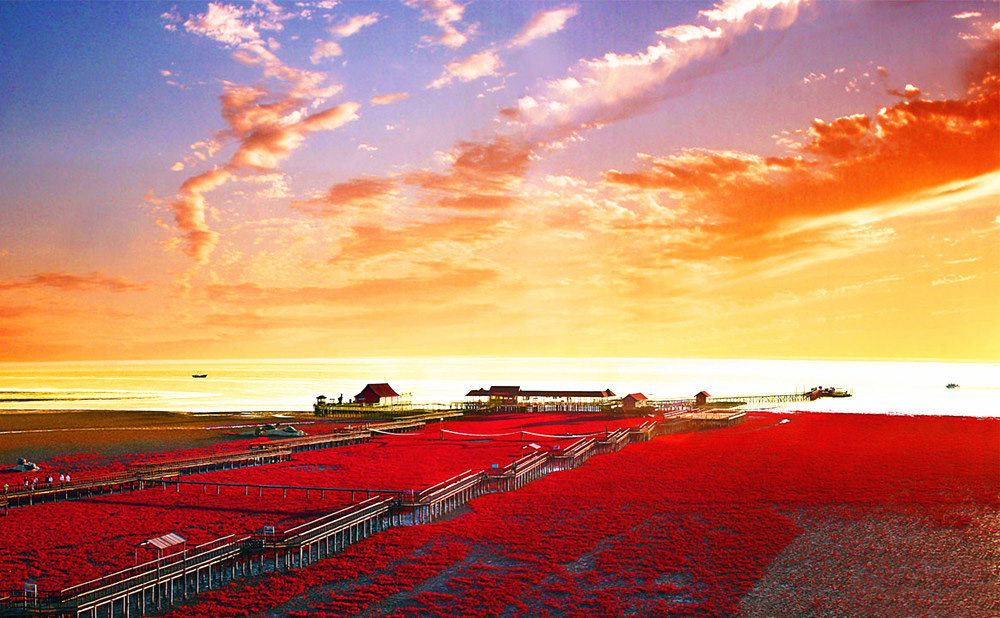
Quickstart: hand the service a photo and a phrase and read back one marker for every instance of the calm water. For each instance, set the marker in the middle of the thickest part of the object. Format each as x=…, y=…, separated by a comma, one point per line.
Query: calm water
x=292, y=385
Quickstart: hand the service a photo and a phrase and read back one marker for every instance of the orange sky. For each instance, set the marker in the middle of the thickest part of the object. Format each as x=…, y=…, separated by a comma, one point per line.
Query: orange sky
x=753, y=179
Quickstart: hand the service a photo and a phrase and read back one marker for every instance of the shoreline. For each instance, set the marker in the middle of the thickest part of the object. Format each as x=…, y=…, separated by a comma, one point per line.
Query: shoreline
x=15, y=411
x=303, y=414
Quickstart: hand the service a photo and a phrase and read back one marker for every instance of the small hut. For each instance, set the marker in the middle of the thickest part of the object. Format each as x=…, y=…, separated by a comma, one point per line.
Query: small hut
x=633, y=401
x=701, y=398
x=374, y=394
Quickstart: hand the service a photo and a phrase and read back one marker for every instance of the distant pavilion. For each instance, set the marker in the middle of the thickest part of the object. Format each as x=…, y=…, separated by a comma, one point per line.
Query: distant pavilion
x=513, y=395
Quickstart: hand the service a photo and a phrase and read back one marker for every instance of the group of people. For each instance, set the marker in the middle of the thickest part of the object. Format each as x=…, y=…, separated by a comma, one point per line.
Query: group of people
x=47, y=482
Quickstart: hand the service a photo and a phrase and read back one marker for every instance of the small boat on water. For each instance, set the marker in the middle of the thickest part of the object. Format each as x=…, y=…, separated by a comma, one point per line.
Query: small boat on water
x=199, y=375
x=951, y=385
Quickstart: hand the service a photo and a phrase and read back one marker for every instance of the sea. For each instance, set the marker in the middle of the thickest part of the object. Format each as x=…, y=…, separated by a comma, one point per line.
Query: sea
x=877, y=387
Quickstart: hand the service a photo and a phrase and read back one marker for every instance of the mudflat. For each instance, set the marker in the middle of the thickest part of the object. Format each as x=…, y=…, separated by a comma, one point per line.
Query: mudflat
x=39, y=435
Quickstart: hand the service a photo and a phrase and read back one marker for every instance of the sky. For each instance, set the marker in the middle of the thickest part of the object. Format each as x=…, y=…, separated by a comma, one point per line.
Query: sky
x=742, y=179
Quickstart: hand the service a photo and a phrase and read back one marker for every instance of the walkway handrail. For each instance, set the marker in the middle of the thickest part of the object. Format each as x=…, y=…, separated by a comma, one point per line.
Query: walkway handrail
x=302, y=487
x=369, y=513
x=322, y=527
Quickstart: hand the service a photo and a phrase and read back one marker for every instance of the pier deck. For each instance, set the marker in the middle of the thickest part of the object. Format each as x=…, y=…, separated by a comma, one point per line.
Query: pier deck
x=154, y=585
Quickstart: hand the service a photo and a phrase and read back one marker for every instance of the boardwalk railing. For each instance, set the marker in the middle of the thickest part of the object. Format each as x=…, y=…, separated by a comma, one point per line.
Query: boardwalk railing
x=159, y=582
x=142, y=475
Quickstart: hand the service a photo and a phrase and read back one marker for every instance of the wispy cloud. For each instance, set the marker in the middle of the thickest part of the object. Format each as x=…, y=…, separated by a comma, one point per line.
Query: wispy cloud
x=325, y=49
x=386, y=99
x=224, y=23
x=483, y=64
x=446, y=15
x=267, y=124
x=463, y=204
x=354, y=25
x=543, y=24
x=618, y=86
x=363, y=192
x=950, y=279
x=73, y=282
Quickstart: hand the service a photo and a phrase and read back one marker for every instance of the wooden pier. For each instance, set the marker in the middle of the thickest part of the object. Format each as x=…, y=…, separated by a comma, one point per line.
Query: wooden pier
x=761, y=400
x=143, y=475
x=153, y=585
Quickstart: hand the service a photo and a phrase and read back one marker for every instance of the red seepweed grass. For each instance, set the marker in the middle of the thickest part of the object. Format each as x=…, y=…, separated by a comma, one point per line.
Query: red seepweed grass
x=786, y=513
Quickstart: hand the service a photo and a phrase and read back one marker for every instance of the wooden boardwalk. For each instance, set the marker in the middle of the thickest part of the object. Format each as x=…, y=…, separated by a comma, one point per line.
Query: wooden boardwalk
x=154, y=585
x=143, y=475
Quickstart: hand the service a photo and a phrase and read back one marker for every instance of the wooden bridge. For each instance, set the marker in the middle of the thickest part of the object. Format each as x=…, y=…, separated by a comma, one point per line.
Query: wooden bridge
x=153, y=585
x=140, y=476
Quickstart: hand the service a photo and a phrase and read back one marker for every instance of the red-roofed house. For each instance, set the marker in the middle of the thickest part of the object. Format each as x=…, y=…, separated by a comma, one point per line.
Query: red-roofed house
x=633, y=401
x=377, y=394
x=701, y=398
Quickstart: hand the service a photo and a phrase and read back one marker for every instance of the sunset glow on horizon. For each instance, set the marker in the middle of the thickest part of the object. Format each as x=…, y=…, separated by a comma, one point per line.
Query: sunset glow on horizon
x=741, y=179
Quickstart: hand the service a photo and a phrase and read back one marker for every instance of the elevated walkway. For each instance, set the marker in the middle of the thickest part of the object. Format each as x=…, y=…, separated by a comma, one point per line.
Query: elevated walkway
x=154, y=585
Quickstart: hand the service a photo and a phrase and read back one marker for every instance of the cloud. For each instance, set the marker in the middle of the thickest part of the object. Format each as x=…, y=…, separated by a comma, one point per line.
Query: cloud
x=265, y=142
x=364, y=192
x=354, y=25
x=543, y=24
x=305, y=84
x=445, y=14
x=483, y=64
x=386, y=99
x=267, y=145
x=841, y=137
x=267, y=124
x=619, y=86
x=463, y=204
x=325, y=49
x=967, y=15
x=273, y=186
x=223, y=23
x=949, y=279
x=482, y=181
x=70, y=282
x=172, y=18
x=377, y=240
x=189, y=213
x=480, y=173
x=847, y=164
